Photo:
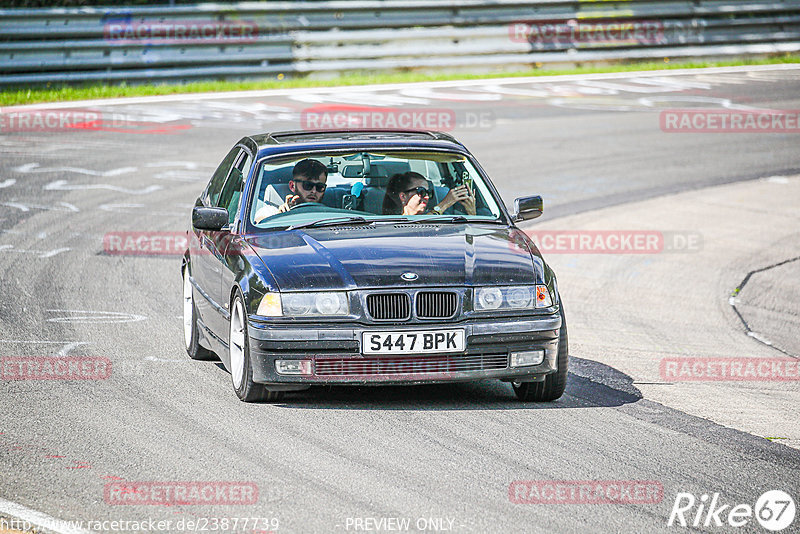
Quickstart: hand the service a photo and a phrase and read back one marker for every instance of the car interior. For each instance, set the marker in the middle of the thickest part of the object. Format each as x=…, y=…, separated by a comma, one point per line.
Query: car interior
x=358, y=182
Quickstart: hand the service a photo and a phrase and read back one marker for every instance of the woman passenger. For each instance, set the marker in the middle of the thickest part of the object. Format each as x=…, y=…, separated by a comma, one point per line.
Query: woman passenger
x=408, y=194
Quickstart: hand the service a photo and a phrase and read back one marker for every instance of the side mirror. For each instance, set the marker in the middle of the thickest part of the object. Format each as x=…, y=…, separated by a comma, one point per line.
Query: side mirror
x=209, y=218
x=527, y=208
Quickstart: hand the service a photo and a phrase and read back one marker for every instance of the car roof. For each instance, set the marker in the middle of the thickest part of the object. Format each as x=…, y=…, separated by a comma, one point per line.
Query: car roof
x=298, y=140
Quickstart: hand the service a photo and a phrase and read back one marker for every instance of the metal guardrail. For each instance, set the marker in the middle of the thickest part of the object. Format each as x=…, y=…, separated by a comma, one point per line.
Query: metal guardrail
x=212, y=41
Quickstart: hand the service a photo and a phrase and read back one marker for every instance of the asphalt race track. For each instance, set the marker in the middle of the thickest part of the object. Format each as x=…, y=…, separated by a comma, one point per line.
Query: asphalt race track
x=443, y=458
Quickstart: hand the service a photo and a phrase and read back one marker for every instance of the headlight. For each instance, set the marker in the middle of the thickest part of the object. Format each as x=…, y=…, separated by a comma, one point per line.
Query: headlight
x=488, y=298
x=512, y=298
x=331, y=303
x=518, y=297
x=304, y=304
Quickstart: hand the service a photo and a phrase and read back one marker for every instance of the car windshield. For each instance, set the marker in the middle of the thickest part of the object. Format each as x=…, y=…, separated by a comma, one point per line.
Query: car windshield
x=359, y=187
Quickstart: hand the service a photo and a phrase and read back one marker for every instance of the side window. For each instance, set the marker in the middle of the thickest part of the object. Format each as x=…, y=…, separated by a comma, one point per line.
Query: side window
x=218, y=179
x=232, y=191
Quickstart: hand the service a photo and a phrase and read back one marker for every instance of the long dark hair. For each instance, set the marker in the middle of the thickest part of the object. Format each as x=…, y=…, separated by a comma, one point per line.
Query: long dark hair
x=397, y=184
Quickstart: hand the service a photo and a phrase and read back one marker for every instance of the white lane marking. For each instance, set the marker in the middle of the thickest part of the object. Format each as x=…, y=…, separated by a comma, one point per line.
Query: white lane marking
x=543, y=91
x=154, y=359
x=36, y=341
x=759, y=337
x=35, y=167
x=63, y=185
x=515, y=91
x=721, y=102
x=184, y=98
x=430, y=93
x=123, y=208
x=184, y=164
x=590, y=105
x=21, y=207
x=131, y=208
x=183, y=171
x=778, y=180
x=27, y=207
x=40, y=253
x=94, y=317
x=182, y=175
x=67, y=346
x=623, y=87
x=360, y=98
x=254, y=108
x=7, y=183
x=66, y=349
x=39, y=519
x=672, y=84
x=54, y=252
x=44, y=145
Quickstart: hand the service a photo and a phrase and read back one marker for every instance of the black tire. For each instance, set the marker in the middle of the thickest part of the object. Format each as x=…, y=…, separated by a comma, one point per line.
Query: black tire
x=554, y=384
x=247, y=390
x=193, y=347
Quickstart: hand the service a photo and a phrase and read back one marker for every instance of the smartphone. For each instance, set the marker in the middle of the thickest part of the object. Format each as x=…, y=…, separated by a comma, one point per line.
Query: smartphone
x=466, y=179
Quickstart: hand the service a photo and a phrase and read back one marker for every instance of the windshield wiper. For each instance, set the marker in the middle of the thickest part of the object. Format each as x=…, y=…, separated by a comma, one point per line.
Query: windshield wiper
x=443, y=219
x=333, y=221
x=455, y=219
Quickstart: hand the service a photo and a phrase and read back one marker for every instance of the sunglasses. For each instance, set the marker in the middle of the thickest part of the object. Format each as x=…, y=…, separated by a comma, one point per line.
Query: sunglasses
x=309, y=185
x=421, y=191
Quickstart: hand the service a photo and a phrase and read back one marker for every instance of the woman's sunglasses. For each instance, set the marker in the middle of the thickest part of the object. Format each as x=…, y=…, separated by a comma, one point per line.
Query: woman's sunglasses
x=421, y=191
x=309, y=185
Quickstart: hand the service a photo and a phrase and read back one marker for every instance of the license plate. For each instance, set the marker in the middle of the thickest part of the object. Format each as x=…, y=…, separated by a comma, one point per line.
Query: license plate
x=424, y=342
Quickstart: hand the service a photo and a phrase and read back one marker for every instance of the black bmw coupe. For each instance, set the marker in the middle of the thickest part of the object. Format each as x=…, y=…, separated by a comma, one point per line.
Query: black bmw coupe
x=367, y=258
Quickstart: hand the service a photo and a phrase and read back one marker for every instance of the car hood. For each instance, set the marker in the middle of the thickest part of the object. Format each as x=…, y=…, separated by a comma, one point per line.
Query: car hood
x=353, y=257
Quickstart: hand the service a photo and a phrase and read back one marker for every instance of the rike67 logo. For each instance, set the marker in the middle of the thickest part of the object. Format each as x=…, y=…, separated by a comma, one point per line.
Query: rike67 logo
x=774, y=510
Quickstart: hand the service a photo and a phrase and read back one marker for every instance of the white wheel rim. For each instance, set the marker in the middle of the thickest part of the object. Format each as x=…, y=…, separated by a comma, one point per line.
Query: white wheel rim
x=236, y=343
x=187, y=309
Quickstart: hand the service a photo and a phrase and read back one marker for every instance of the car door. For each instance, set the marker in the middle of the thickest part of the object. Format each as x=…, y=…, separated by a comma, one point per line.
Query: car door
x=217, y=244
x=206, y=266
x=231, y=199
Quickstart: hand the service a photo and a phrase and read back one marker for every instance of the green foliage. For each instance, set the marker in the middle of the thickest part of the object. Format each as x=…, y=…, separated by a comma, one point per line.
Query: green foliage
x=12, y=97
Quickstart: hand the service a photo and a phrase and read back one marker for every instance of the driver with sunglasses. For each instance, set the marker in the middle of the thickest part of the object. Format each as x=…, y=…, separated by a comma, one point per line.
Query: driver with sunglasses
x=307, y=184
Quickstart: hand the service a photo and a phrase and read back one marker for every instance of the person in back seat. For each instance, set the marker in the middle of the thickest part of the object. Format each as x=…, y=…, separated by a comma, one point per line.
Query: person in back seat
x=408, y=194
x=308, y=184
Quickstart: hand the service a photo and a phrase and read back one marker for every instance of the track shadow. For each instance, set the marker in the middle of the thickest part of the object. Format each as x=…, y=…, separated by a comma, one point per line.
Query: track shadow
x=590, y=384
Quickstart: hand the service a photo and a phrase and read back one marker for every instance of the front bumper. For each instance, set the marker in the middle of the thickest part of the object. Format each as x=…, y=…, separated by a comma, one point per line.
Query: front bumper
x=335, y=351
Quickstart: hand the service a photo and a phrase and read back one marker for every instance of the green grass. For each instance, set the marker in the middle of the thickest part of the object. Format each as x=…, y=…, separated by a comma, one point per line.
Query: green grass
x=87, y=92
